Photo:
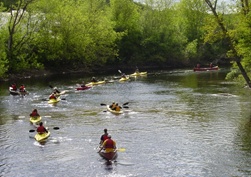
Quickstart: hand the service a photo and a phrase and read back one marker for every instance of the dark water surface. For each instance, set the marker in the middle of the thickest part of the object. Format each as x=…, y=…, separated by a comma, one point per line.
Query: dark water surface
x=178, y=123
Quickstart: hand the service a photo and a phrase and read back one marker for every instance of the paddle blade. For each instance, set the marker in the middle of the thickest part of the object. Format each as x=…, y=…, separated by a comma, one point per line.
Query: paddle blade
x=102, y=104
x=119, y=71
x=56, y=128
x=121, y=149
x=125, y=107
x=50, y=86
x=31, y=130
x=126, y=103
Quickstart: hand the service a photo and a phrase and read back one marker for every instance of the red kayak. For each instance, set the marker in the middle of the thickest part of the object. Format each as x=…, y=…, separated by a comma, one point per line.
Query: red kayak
x=207, y=69
x=83, y=88
x=109, y=156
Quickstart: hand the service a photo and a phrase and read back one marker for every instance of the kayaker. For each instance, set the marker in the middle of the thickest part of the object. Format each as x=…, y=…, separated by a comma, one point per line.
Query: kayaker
x=53, y=96
x=117, y=107
x=55, y=89
x=104, y=137
x=14, y=87
x=198, y=65
x=34, y=113
x=83, y=84
x=211, y=65
x=94, y=79
x=109, y=145
x=137, y=70
x=22, y=88
x=113, y=105
x=123, y=75
x=41, y=129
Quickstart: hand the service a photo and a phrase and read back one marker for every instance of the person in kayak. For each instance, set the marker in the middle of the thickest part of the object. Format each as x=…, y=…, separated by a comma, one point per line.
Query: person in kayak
x=123, y=76
x=113, y=105
x=83, y=84
x=41, y=129
x=103, y=137
x=14, y=87
x=117, y=107
x=22, y=88
x=34, y=113
x=53, y=96
x=137, y=70
x=109, y=145
x=94, y=79
x=55, y=89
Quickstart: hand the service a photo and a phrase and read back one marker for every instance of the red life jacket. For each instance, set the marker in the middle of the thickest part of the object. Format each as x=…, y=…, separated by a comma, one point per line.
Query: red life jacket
x=41, y=129
x=34, y=114
x=53, y=97
x=104, y=137
x=109, y=143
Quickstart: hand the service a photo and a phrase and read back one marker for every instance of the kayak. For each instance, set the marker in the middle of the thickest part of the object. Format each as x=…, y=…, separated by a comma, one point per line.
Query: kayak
x=207, y=69
x=109, y=156
x=35, y=120
x=123, y=79
x=83, y=88
x=139, y=74
x=113, y=111
x=95, y=83
x=52, y=101
x=40, y=137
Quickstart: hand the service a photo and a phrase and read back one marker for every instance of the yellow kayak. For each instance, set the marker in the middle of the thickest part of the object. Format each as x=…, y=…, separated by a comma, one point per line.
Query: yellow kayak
x=123, y=79
x=40, y=137
x=35, y=120
x=51, y=101
x=113, y=111
x=139, y=74
x=95, y=83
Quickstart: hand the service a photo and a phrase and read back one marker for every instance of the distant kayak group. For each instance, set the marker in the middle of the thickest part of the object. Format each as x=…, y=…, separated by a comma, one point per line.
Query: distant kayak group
x=107, y=147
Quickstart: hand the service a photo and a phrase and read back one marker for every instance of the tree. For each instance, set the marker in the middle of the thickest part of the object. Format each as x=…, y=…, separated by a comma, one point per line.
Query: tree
x=226, y=34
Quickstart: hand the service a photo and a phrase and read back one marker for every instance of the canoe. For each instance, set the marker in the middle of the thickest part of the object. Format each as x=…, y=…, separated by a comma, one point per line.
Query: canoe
x=35, y=120
x=83, y=88
x=113, y=111
x=40, y=137
x=95, y=83
x=109, y=156
x=123, y=79
x=207, y=69
x=139, y=74
x=52, y=101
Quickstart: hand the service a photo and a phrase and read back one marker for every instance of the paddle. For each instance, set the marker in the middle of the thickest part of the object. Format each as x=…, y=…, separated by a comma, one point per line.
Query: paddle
x=119, y=71
x=125, y=107
x=54, y=128
x=121, y=149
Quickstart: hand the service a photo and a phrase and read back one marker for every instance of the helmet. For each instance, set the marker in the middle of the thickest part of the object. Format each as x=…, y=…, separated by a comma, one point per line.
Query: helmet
x=109, y=136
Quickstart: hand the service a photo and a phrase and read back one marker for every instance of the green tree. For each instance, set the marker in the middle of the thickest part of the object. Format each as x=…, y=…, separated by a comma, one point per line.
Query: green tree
x=234, y=51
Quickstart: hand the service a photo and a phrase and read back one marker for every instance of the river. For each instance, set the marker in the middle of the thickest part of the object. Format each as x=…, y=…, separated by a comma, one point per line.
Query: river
x=179, y=123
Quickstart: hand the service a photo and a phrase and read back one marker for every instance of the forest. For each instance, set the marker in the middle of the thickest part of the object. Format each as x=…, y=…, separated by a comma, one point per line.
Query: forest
x=84, y=36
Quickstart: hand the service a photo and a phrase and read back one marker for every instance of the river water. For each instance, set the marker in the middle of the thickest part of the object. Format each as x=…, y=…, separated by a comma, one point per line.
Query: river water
x=179, y=123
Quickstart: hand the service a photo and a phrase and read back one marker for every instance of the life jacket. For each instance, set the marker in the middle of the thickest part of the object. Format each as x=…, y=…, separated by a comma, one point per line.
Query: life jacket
x=117, y=108
x=53, y=97
x=41, y=129
x=22, y=89
x=113, y=106
x=109, y=144
x=34, y=114
x=14, y=87
x=104, y=137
